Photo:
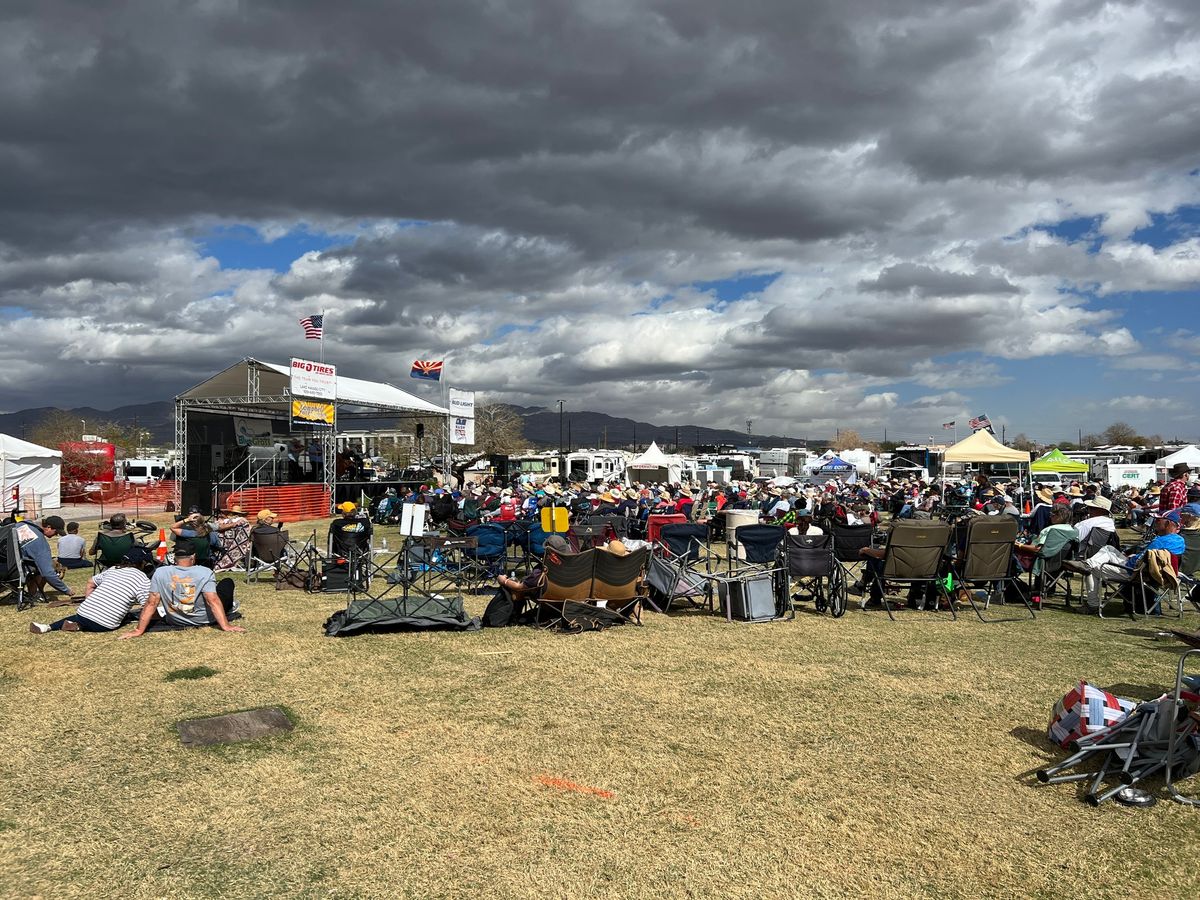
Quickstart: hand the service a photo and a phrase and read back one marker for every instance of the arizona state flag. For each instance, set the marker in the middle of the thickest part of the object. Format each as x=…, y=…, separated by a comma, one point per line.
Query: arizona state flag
x=430, y=370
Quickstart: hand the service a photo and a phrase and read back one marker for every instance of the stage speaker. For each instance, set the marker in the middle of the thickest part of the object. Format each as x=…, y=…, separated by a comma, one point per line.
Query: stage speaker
x=499, y=464
x=197, y=493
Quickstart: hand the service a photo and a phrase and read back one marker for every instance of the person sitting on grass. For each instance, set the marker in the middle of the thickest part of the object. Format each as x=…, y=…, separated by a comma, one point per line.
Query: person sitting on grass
x=108, y=598
x=185, y=594
x=72, y=552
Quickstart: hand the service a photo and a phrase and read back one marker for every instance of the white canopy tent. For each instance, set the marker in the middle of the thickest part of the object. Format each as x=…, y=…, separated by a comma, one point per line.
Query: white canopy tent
x=1189, y=454
x=33, y=470
x=654, y=466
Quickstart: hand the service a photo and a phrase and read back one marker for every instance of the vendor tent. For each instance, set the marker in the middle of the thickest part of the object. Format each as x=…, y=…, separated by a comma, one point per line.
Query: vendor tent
x=836, y=466
x=654, y=466
x=1189, y=454
x=982, y=447
x=1055, y=461
x=33, y=470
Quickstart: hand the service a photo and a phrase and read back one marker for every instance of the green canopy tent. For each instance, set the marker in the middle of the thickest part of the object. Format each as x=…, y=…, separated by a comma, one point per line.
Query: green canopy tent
x=1055, y=461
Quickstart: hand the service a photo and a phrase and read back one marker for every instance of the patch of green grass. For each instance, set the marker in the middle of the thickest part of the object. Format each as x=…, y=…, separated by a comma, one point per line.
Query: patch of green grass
x=7, y=826
x=190, y=674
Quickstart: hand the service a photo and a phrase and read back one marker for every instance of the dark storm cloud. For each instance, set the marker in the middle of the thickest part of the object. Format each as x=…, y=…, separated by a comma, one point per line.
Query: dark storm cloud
x=927, y=281
x=572, y=168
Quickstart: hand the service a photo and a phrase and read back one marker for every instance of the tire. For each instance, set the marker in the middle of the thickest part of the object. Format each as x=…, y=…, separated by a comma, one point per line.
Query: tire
x=837, y=592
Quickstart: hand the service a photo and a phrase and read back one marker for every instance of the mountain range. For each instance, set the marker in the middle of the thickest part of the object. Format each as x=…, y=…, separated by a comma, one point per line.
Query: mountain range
x=541, y=427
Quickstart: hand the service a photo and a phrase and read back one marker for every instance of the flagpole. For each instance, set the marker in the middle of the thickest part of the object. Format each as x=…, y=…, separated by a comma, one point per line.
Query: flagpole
x=322, y=336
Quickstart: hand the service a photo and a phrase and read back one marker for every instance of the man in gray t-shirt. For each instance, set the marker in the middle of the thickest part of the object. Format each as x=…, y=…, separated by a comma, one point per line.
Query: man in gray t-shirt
x=186, y=594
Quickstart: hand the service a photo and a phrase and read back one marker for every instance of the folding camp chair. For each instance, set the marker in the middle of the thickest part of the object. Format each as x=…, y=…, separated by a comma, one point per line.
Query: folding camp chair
x=111, y=549
x=680, y=567
x=483, y=562
x=268, y=553
x=1049, y=572
x=568, y=579
x=1175, y=758
x=1088, y=548
x=618, y=582
x=914, y=556
x=585, y=535
x=656, y=521
x=756, y=549
x=848, y=541
x=812, y=566
x=987, y=560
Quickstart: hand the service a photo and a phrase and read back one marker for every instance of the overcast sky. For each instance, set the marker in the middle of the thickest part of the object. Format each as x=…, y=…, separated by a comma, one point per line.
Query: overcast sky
x=848, y=213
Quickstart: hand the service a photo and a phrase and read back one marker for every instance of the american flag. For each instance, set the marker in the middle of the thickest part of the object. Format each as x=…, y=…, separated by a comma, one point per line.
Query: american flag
x=427, y=368
x=981, y=422
x=947, y=425
x=314, y=327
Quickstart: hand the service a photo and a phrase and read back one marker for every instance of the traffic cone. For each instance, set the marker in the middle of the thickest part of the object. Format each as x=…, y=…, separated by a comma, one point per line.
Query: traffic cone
x=1028, y=508
x=161, y=552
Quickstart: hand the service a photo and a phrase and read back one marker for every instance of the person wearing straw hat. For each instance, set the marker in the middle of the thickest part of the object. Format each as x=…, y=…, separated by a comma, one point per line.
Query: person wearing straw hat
x=1099, y=515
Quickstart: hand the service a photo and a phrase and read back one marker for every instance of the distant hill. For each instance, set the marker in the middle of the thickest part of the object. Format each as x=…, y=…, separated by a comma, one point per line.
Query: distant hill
x=591, y=429
x=158, y=418
x=587, y=429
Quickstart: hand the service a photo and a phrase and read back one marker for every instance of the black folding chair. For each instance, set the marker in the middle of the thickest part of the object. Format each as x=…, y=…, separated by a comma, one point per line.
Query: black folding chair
x=268, y=553
x=756, y=549
x=12, y=567
x=848, y=540
x=987, y=560
x=811, y=563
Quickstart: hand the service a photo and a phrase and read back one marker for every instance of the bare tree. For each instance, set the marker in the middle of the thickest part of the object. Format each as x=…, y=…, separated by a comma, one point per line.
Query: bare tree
x=1120, y=433
x=498, y=429
x=1022, y=442
x=847, y=439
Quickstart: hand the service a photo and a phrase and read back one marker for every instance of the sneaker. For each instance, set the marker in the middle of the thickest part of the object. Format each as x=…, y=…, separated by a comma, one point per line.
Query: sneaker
x=70, y=626
x=38, y=628
x=855, y=589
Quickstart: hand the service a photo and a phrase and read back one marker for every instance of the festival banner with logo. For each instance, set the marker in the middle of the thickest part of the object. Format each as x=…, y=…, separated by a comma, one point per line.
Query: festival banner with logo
x=251, y=431
x=311, y=412
x=313, y=379
x=462, y=430
x=462, y=403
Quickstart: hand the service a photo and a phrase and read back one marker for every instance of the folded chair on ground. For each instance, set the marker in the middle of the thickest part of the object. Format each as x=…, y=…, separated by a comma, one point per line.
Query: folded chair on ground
x=914, y=556
x=812, y=568
x=680, y=567
x=986, y=561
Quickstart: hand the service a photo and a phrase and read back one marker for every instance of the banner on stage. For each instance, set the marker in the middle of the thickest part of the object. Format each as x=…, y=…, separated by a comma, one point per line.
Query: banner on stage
x=313, y=379
x=312, y=412
x=462, y=430
x=462, y=403
x=250, y=430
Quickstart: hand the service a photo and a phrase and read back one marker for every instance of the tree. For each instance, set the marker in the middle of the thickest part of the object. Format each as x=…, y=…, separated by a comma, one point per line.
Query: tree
x=1022, y=442
x=847, y=439
x=1090, y=440
x=60, y=430
x=498, y=429
x=1120, y=433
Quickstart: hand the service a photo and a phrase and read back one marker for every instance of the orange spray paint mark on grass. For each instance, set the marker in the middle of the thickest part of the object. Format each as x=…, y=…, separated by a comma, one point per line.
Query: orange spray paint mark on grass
x=563, y=784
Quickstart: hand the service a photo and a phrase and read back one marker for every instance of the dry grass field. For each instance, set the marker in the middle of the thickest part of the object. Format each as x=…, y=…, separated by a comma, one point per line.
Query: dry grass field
x=687, y=758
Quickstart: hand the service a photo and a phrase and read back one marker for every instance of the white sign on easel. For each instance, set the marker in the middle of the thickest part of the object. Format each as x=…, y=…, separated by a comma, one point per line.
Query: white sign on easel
x=412, y=519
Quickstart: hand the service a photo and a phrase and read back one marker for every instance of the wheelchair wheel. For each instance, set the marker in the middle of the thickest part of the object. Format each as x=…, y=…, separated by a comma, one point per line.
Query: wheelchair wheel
x=820, y=601
x=837, y=592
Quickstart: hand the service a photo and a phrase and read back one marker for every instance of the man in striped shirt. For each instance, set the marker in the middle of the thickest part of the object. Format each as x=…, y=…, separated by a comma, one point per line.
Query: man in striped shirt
x=108, y=598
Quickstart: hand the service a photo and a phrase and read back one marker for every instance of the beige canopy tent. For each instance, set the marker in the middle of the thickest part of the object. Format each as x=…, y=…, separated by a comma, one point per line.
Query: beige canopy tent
x=982, y=447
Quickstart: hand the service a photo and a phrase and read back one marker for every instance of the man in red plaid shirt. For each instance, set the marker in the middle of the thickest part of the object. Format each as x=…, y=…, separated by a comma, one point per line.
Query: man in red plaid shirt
x=1174, y=492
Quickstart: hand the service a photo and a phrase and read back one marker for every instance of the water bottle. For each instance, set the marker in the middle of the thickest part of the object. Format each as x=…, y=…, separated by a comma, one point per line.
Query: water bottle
x=384, y=543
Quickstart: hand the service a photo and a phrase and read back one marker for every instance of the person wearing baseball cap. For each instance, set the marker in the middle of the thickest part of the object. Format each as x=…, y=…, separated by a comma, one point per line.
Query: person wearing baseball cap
x=350, y=532
x=35, y=549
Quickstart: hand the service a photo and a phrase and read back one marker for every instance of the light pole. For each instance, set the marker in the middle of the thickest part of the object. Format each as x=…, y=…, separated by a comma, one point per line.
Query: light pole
x=83, y=428
x=562, y=460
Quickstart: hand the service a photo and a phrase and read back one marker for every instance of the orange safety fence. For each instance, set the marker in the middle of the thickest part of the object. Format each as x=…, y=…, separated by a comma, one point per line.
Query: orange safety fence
x=291, y=502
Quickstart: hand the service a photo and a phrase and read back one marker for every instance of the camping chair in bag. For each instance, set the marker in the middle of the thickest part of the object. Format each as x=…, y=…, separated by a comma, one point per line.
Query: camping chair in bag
x=674, y=571
x=12, y=567
x=618, y=582
x=914, y=554
x=987, y=559
x=813, y=568
x=848, y=540
x=110, y=550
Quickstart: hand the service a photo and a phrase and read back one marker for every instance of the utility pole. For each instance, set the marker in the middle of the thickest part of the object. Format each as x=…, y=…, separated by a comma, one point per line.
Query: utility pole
x=562, y=459
x=1003, y=429
x=1080, y=444
x=676, y=438
x=635, y=437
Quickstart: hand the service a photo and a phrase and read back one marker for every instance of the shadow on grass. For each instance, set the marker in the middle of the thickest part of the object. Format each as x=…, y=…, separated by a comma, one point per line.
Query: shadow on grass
x=190, y=674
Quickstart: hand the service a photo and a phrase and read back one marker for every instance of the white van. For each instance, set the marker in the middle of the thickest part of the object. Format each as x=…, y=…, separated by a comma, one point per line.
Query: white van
x=144, y=471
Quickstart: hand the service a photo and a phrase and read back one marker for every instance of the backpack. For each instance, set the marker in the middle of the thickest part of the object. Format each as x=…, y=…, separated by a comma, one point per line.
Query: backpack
x=501, y=612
